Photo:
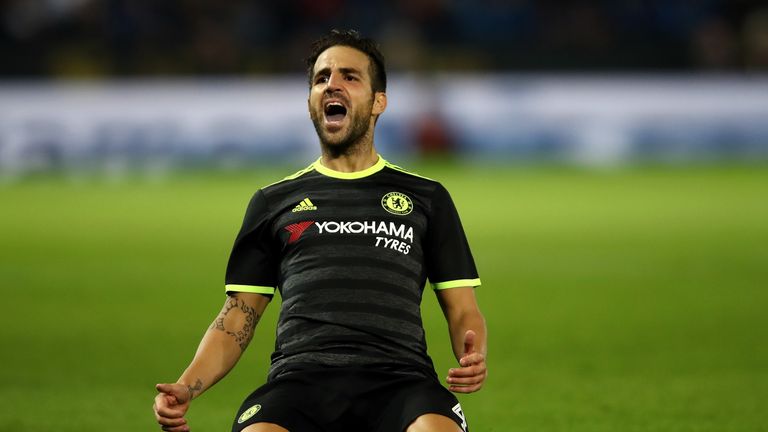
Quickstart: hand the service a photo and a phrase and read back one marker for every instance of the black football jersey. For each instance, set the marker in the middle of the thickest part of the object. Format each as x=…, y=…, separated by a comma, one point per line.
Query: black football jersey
x=350, y=254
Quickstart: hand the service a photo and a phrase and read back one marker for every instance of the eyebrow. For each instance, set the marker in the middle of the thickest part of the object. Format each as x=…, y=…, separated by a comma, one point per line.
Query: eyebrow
x=327, y=71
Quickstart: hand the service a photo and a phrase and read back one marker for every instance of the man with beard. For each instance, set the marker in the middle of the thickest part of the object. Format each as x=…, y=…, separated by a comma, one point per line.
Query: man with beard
x=349, y=242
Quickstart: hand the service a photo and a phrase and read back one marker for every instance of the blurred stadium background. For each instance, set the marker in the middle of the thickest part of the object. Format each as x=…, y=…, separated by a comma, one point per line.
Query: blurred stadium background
x=608, y=158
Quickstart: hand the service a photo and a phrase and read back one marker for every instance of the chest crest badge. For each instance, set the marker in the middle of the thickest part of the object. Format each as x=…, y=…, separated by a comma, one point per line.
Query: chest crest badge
x=397, y=203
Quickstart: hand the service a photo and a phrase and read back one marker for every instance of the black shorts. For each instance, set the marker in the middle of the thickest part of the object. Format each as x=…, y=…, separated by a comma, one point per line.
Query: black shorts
x=347, y=399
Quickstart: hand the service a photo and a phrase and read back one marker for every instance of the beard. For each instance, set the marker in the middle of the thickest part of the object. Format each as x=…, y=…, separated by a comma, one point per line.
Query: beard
x=343, y=142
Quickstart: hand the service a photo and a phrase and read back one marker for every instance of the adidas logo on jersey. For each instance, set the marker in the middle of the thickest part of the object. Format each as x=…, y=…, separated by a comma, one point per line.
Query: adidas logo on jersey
x=305, y=205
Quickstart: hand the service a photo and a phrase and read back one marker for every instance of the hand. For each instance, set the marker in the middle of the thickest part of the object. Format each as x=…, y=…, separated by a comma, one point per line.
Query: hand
x=171, y=405
x=470, y=377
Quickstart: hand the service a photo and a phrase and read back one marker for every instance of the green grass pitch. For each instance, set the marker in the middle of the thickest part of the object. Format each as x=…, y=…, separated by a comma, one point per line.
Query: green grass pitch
x=625, y=300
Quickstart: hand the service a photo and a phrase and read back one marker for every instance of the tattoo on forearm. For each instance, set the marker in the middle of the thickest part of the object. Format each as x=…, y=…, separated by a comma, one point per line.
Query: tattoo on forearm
x=193, y=390
x=243, y=336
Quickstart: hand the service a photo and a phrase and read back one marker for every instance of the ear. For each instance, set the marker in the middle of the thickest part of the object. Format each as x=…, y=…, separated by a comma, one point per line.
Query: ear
x=379, y=103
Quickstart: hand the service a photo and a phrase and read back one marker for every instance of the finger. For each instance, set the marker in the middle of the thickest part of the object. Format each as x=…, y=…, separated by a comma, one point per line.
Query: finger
x=172, y=422
x=473, y=370
x=171, y=413
x=183, y=428
x=162, y=409
x=466, y=389
x=171, y=389
x=469, y=342
x=470, y=359
x=166, y=400
x=476, y=379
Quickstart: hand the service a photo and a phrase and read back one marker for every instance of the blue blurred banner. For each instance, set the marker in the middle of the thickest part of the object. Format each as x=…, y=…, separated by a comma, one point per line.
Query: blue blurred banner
x=585, y=119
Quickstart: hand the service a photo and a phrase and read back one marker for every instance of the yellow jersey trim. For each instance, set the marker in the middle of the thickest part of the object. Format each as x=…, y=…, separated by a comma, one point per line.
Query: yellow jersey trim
x=405, y=171
x=456, y=284
x=378, y=166
x=250, y=289
x=319, y=167
x=293, y=176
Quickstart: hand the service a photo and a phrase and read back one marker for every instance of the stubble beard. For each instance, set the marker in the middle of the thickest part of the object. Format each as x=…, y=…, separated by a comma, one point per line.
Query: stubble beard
x=348, y=143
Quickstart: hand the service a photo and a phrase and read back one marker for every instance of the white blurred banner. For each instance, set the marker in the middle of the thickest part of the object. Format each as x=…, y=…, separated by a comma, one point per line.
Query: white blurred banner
x=582, y=119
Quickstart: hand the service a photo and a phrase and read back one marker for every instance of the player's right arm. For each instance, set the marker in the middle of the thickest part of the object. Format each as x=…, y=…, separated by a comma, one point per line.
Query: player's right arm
x=218, y=352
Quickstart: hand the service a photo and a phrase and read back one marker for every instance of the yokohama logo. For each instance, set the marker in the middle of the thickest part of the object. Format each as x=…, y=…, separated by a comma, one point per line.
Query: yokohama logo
x=366, y=227
x=297, y=230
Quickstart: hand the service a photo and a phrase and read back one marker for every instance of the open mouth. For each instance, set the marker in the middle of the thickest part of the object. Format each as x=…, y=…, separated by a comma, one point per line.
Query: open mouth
x=335, y=112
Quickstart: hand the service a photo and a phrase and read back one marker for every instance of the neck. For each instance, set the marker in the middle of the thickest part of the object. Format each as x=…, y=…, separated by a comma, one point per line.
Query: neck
x=353, y=160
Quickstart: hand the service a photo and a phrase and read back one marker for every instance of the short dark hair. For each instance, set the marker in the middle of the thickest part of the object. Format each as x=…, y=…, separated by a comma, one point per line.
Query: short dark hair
x=352, y=39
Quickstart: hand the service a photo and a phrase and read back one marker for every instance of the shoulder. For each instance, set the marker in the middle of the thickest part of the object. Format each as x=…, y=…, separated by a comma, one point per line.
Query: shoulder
x=398, y=170
x=289, y=181
x=430, y=193
x=263, y=199
x=424, y=185
x=290, y=185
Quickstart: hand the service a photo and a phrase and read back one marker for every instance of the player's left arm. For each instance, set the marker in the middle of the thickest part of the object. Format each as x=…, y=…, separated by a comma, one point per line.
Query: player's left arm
x=467, y=329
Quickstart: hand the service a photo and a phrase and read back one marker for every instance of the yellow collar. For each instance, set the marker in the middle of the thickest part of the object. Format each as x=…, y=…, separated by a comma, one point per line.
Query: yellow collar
x=378, y=166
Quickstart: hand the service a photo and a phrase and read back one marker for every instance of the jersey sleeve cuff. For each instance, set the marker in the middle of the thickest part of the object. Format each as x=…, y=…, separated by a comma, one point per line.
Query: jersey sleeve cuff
x=230, y=288
x=456, y=284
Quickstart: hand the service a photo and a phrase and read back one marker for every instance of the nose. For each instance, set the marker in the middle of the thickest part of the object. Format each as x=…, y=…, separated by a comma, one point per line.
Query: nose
x=334, y=82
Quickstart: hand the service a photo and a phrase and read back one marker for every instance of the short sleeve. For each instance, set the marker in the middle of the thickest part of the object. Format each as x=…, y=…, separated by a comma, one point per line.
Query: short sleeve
x=252, y=265
x=447, y=254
